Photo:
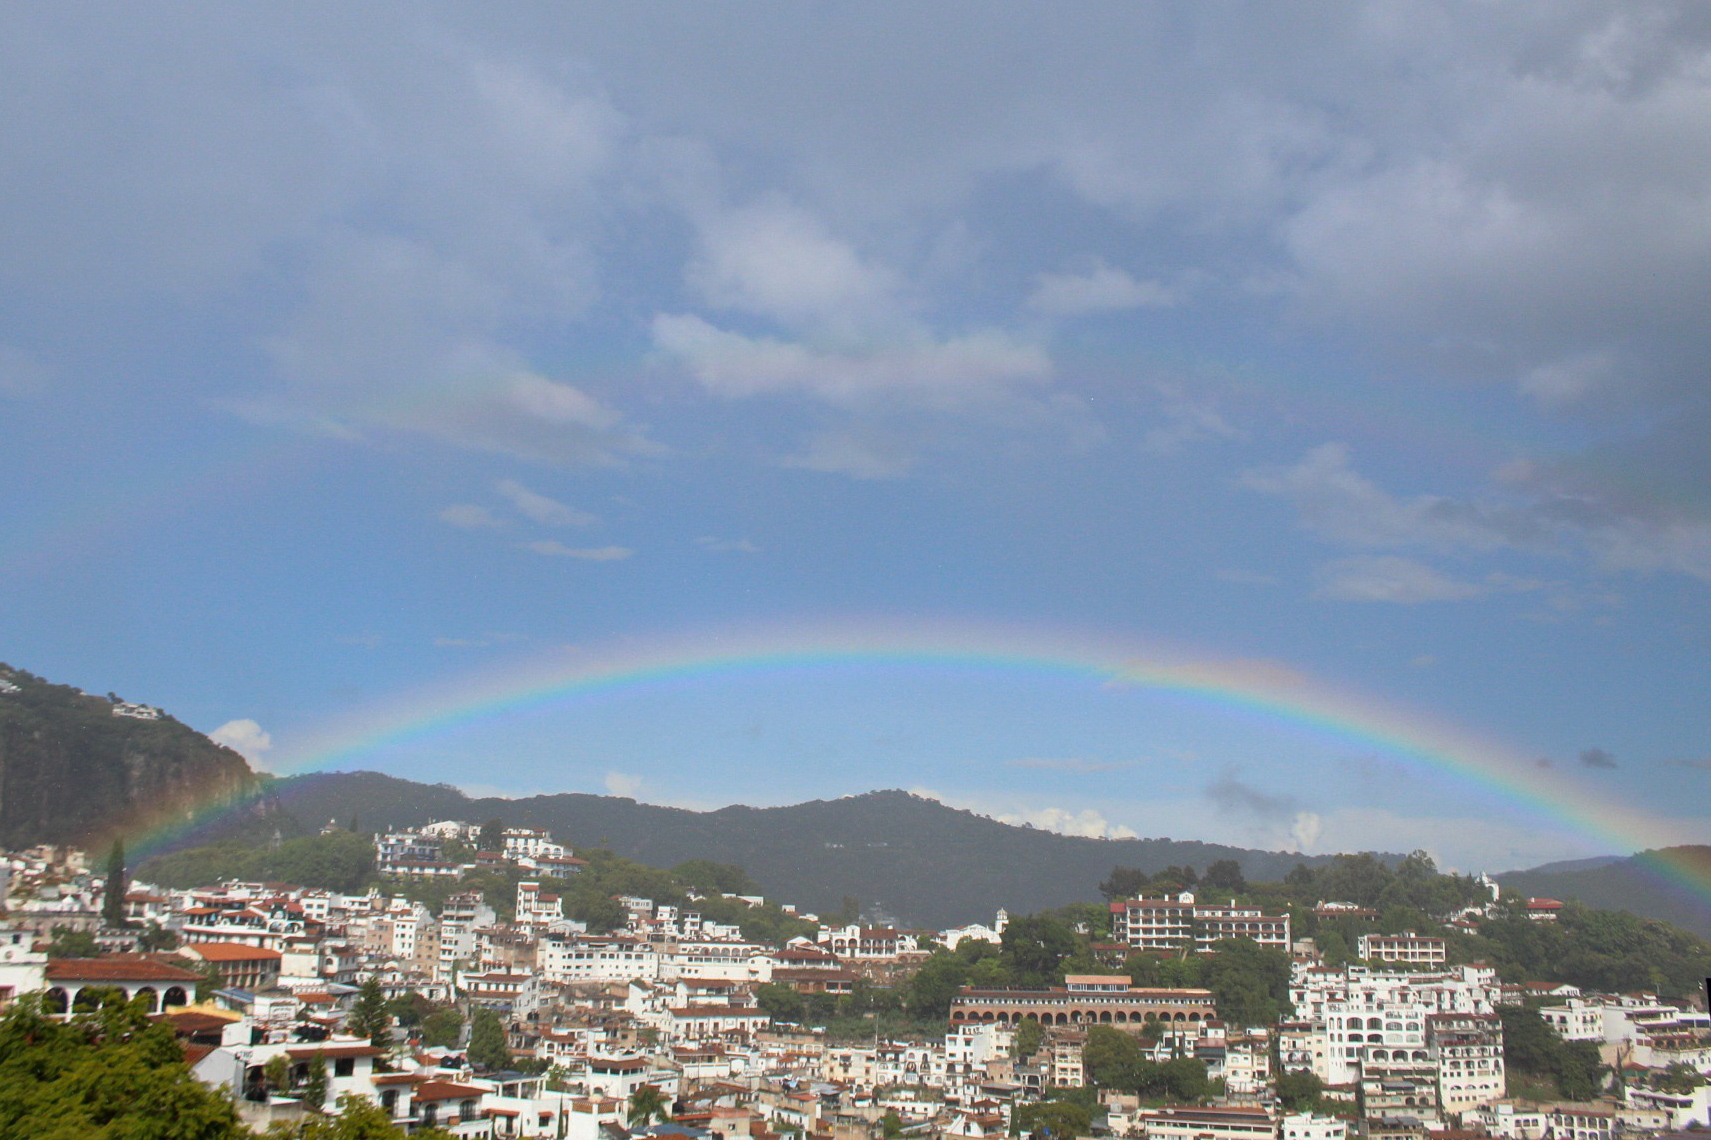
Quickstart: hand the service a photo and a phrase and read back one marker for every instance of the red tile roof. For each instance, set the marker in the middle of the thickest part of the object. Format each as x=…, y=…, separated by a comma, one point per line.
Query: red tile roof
x=117, y=968
x=231, y=952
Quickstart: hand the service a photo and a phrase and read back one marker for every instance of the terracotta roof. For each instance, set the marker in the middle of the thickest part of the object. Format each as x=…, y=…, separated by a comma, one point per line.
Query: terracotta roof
x=307, y=1052
x=116, y=968
x=193, y=1054
x=231, y=952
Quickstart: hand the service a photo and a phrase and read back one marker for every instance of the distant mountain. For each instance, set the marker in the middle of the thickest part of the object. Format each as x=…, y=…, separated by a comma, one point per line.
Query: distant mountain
x=1568, y=865
x=901, y=855
x=76, y=768
x=1634, y=884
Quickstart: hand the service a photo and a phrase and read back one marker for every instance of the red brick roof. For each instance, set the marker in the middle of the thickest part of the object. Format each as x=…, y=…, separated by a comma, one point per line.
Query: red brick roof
x=231, y=952
x=308, y=1052
x=117, y=968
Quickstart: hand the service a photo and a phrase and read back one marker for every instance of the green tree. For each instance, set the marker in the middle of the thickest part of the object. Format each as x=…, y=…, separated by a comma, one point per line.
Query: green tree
x=1299, y=1090
x=1124, y=883
x=68, y=943
x=113, y=890
x=108, y=1074
x=1053, y=1118
x=442, y=1027
x=1224, y=875
x=1580, y=1071
x=410, y=1009
x=278, y=1073
x=891, y=1125
x=492, y=837
x=780, y=1003
x=647, y=1104
x=1249, y=982
x=358, y=1119
x=315, y=1084
x=1034, y=948
x=369, y=1017
x=934, y=986
x=1026, y=1041
x=154, y=938
x=488, y=1047
x=709, y=878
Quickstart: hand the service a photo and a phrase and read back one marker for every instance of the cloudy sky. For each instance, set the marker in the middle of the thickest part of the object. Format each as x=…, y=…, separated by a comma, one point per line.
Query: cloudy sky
x=352, y=359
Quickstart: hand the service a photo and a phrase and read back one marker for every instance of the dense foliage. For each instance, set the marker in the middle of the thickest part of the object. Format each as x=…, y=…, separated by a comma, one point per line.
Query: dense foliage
x=1116, y=1060
x=1532, y=1048
x=112, y=1074
x=337, y=861
x=488, y=1048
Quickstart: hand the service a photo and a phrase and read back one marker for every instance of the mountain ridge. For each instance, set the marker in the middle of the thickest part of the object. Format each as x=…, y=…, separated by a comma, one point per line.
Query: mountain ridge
x=904, y=856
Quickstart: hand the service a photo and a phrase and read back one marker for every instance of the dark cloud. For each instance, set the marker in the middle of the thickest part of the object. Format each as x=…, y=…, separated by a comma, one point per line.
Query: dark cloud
x=1233, y=795
x=1597, y=758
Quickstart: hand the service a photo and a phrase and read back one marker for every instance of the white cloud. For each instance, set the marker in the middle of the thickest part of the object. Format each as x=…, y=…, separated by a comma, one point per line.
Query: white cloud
x=243, y=736
x=1304, y=831
x=1189, y=417
x=1338, y=503
x=1388, y=578
x=623, y=784
x=1088, y=824
x=549, y=512
x=470, y=517
x=726, y=545
x=776, y=260
x=1570, y=379
x=1545, y=513
x=555, y=549
x=950, y=373
x=1103, y=289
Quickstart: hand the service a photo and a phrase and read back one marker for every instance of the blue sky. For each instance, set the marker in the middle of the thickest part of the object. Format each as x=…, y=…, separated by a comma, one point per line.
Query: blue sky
x=348, y=356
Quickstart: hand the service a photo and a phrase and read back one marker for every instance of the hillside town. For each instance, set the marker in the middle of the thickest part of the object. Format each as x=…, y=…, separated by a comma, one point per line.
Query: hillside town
x=294, y=1002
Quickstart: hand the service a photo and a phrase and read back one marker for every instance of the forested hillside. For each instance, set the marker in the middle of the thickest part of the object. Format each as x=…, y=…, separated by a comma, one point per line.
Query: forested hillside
x=902, y=856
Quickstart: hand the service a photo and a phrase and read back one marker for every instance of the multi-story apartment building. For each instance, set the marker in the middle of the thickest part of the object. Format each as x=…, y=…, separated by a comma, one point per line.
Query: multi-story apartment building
x=1407, y=947
x=1468, y=1051
x=1168, y=923
x=1575, y=1020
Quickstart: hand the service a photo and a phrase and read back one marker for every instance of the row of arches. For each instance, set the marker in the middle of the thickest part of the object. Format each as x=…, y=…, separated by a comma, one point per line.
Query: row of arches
x=63, y=999
x=1079, y=1017
x=1398, y=1055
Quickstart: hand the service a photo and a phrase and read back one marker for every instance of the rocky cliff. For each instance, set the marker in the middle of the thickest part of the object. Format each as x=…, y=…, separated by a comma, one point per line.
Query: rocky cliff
x=77, y=768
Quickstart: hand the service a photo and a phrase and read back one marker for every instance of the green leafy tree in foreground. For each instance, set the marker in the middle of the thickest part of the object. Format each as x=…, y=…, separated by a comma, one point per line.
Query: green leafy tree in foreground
x=111, y=1075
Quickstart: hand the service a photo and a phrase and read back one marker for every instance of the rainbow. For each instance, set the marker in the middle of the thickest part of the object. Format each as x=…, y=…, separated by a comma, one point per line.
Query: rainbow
x=1266, y=690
